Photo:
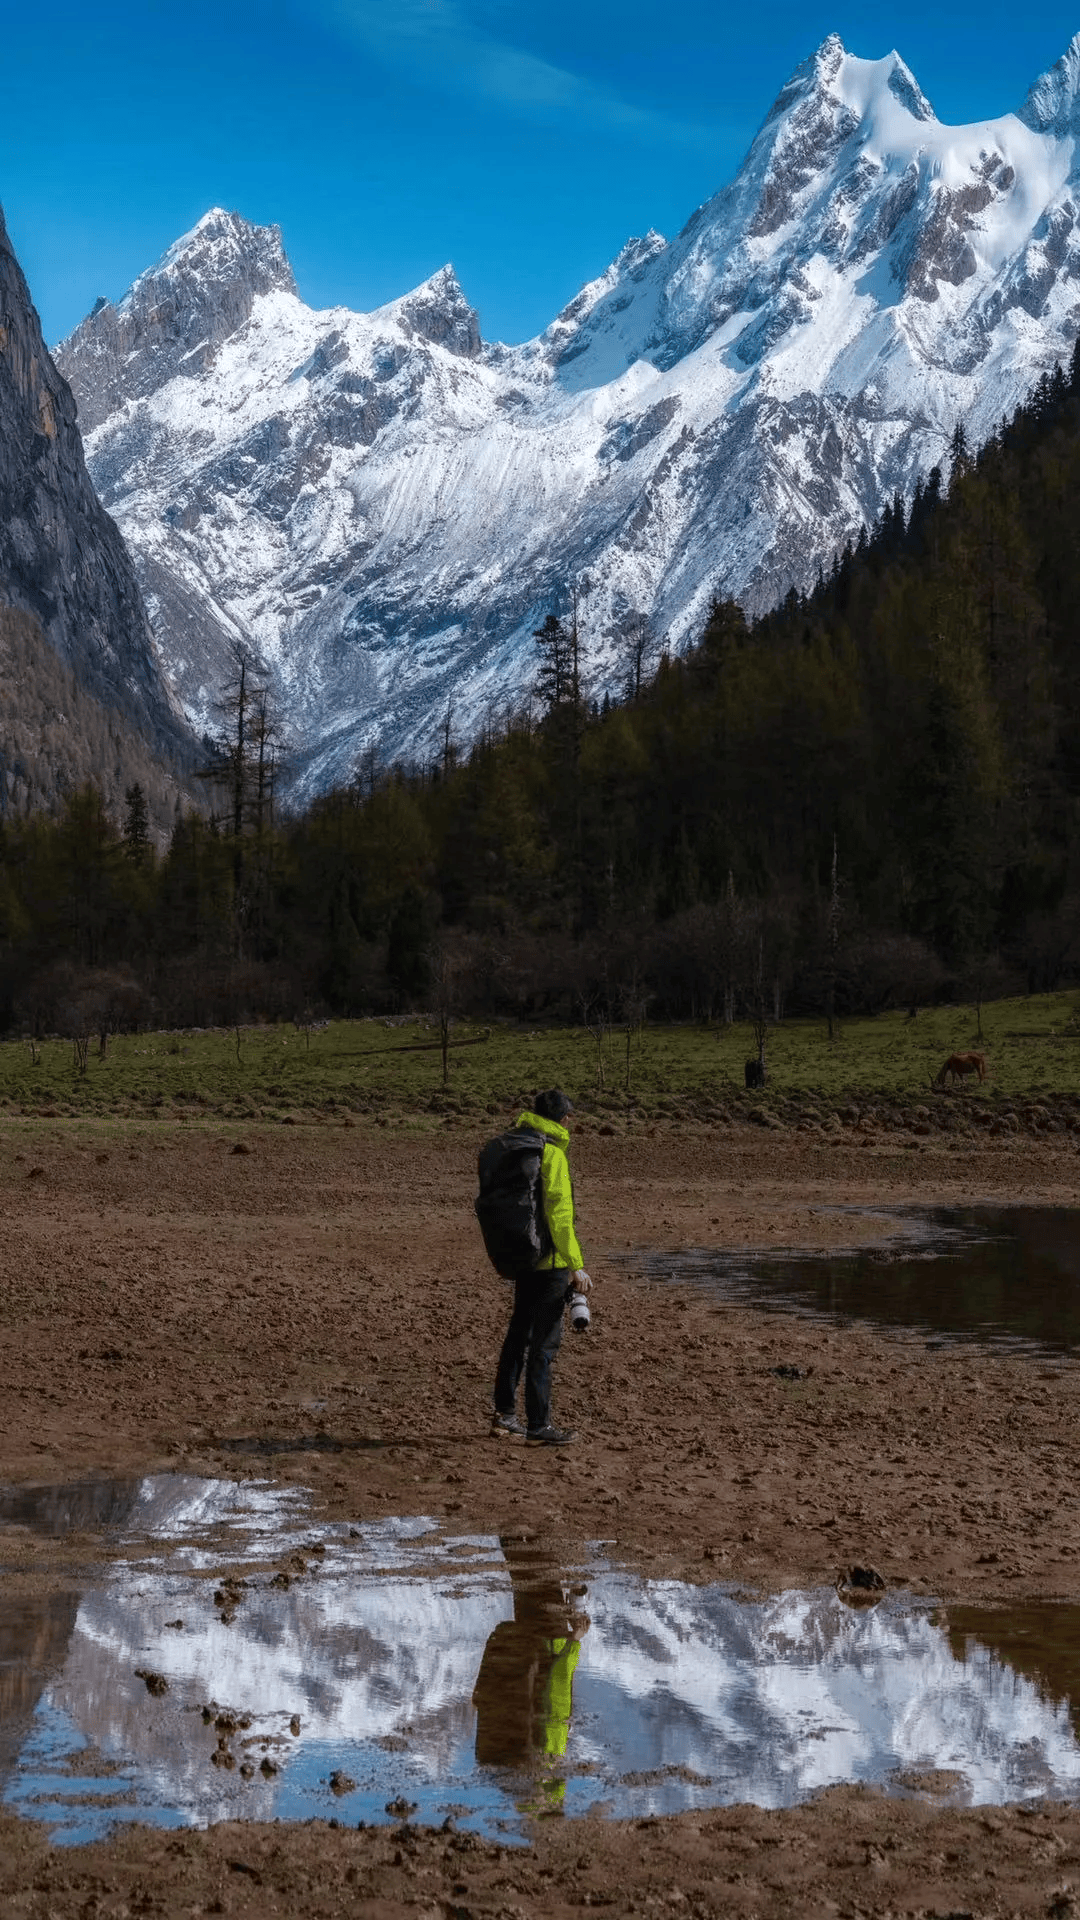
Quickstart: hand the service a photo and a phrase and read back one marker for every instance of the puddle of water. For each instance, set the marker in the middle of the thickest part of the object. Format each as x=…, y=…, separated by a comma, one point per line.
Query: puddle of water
x=363, y=1670
x=1042, y=1643
x=87, y=1507
x=195, y=1517
x=1003, y=1276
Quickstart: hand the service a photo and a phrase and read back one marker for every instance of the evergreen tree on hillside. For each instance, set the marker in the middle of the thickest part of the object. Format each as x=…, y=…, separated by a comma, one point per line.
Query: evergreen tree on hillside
x=554, y=677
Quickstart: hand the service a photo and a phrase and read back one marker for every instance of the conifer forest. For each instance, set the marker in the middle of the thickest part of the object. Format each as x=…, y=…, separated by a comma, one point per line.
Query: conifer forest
x=869, y=798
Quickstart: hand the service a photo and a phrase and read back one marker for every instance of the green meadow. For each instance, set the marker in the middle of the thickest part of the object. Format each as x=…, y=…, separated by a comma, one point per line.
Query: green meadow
x=394, y=1068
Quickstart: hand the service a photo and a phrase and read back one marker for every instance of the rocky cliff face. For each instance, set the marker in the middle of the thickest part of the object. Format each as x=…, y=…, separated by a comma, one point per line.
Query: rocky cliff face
x=176, y=316
x=383, y=507
x=63, y=564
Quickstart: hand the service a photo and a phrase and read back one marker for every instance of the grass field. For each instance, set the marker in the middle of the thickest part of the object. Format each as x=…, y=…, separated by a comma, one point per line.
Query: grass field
x=375, y=1067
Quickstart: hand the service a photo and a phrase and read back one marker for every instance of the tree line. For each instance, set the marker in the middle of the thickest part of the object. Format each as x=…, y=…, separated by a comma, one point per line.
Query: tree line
x=868, y=797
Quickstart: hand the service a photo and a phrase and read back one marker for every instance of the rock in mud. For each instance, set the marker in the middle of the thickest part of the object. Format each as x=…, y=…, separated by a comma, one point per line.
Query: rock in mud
x=859, y=1586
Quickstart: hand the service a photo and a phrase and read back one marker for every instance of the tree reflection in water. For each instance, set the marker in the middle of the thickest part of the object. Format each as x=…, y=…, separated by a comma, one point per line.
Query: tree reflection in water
x=35, y=1635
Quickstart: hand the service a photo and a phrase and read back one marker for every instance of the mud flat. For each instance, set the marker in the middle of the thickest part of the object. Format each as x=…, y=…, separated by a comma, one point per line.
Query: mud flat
x=314, y=1309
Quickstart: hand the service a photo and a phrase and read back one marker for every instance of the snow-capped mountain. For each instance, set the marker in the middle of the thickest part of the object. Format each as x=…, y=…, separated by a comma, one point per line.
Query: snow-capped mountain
x=682, y=1696
x=383, y=507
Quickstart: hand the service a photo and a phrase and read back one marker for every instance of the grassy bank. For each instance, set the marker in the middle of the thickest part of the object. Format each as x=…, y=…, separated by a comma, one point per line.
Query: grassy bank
x=384, y=1068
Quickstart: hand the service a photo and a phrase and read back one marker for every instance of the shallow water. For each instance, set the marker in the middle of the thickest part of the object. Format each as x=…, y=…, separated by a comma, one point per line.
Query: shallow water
x=1006, y=1277
x=386, y=1667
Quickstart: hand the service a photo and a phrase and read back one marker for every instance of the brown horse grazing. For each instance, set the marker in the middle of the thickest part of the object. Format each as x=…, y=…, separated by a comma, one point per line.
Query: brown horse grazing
x=958, y=1065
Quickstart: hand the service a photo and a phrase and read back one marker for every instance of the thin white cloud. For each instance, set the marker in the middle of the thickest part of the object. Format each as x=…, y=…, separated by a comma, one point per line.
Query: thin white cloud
x=437, y=43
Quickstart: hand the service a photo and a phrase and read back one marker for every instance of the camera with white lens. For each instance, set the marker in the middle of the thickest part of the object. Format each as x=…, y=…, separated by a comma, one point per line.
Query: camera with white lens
x=577, y=1308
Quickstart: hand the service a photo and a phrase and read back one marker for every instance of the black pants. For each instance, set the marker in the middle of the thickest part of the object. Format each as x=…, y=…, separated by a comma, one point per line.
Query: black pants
x=532, y=1341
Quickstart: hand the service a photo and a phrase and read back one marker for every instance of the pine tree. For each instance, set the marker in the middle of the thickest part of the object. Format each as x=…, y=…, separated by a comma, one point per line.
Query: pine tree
x=136, y=836
x=555, y=675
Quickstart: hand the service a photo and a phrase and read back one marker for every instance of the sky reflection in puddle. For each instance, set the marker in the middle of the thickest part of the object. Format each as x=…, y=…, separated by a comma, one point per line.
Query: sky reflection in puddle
x=390, y=1663
x=1006, y=1277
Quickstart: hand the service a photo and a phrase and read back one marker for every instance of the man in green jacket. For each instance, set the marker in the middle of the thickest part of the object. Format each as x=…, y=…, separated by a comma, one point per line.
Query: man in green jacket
x=540, y=1294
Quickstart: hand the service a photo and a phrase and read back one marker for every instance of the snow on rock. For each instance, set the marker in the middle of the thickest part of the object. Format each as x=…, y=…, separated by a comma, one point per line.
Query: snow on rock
x=762, y=1700
x=383, y=507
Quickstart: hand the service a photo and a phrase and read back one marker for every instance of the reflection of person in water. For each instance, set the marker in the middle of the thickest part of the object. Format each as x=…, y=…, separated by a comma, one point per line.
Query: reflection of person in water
x=524, y=1689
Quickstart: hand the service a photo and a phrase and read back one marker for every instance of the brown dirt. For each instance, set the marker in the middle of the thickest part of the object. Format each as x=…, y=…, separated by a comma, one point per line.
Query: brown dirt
x=168, y=1302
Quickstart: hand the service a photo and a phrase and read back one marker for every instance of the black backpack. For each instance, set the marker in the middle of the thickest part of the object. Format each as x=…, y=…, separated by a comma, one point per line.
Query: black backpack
x=510, y=1204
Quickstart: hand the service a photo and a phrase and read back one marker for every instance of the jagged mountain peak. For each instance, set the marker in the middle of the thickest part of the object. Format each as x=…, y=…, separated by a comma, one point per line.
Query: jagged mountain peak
x=640, y=250
x=903, y=84
x=834, y=77
x=222, y=247
x=821, y=67
x=437, y=311
x=791, y=198
x=1053, y=101
x=177, y=314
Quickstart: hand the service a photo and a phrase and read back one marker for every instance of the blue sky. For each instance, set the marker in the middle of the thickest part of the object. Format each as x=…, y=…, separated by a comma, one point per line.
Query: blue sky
x=523, y=141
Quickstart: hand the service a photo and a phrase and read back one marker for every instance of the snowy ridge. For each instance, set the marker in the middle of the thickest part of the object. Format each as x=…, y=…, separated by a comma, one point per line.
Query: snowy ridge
x=383, y=507
x=764, y=1700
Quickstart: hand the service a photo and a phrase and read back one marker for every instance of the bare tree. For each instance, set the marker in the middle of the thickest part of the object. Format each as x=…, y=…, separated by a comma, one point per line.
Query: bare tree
x=444, y=996
x=637, y=648
x=307, y=1022
x=242, y=764
x=449, y=749
x=266, y=735
x=832, y=934
x=596, y=1019
x=266, y=738
x=757, y=1003
x=730, y=930
x=633, y=1002
x=580, y=588
x=985, y=978
x=229, y=746
x=766, y=935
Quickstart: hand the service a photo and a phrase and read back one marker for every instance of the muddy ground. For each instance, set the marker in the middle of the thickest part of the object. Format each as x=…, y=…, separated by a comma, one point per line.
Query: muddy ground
x=313, y=1301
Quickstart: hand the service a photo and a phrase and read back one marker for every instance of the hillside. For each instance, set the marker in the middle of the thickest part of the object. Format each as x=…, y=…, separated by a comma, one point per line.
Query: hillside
x=56, y=737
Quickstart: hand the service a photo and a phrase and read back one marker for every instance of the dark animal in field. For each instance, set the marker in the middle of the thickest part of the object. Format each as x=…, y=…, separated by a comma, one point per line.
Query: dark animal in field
x=959, y=1065
x=755, y=1073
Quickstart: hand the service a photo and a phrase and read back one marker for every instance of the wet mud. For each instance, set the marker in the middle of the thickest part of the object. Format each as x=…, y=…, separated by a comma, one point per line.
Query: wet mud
x=319, y=1308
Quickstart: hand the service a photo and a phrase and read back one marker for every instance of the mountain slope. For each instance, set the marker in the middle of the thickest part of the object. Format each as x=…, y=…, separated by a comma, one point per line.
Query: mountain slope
x=382, y=507
x=69, y=599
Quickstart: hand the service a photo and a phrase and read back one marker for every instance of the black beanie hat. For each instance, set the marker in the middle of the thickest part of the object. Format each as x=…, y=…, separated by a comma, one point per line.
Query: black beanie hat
x=552, y=1105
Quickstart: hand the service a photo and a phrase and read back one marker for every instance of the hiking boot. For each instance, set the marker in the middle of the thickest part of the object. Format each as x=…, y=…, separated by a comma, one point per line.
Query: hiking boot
x=505, y=1423
x=550, y=1436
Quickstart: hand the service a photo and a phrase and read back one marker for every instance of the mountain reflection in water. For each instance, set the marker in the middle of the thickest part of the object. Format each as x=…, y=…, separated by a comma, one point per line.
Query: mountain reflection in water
x=1040, y=1642
x=492, y=1679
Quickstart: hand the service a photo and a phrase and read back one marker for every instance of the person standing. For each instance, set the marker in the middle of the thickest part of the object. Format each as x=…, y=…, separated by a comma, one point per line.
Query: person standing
x=541, y=1291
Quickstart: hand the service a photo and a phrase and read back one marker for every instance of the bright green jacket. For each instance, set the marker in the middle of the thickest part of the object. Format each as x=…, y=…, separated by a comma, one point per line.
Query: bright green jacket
x=558, y=1193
